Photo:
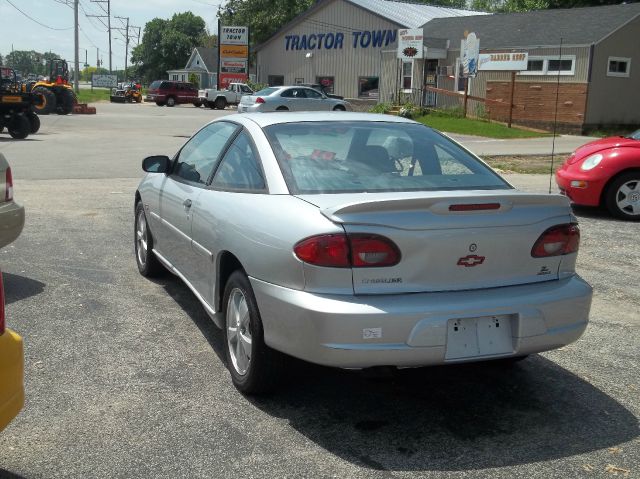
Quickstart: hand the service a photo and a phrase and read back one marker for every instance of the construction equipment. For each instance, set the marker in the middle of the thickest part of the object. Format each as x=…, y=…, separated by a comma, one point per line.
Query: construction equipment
x=16, y=107
x=56, y=93
x=127, y=93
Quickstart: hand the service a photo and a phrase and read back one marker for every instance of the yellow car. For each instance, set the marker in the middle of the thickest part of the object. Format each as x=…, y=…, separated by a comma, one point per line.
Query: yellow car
x=11, y=369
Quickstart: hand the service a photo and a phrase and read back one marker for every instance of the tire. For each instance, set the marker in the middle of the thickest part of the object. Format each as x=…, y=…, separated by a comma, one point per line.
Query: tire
x=19, y=127
x=282, y=108
x=47, y=102
x=622, y=197
x=220, y=103
x=339, y=108
x=197, y=104
x=148, y=265
x=171, y=102
x=258, y=371
x=67, y=100
x=160, y=103
x=211, y=105
x=34, y=122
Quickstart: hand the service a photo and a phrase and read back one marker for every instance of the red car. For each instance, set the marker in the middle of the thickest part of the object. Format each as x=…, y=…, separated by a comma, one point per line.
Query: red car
x=172, y=93
x=605, y=173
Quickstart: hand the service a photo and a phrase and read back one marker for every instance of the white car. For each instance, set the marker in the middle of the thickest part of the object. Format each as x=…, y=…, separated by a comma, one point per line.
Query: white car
x=290, y=98
x=357, y=240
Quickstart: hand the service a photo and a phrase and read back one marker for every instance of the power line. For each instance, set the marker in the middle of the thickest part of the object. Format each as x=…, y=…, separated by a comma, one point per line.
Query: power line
x=36, y=21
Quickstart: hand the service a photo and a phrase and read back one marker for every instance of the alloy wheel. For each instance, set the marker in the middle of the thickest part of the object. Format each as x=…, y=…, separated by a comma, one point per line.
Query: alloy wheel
x=628, y=197
x=142, y=240
x=239, y=331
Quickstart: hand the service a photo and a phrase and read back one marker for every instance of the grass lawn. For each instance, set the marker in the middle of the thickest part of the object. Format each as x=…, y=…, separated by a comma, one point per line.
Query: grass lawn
x=98, y=94
x=467, y=126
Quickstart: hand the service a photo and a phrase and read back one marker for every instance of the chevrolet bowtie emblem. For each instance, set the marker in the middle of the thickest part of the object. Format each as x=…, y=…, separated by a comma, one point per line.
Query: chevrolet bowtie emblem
x=471, y=261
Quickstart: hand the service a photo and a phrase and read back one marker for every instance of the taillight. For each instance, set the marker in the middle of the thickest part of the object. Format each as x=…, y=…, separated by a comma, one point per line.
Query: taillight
x=557, y=240
x=2, y=326
x=8, y=193
x=348, y=251
x=260, y=100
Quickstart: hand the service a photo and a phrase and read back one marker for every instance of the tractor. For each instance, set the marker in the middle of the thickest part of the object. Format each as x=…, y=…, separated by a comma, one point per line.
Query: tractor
x=57, y=95
x=127, y=93
x=16, y=107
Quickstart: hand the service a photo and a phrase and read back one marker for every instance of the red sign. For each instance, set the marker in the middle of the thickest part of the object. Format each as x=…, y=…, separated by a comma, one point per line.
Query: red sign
x=226, y=78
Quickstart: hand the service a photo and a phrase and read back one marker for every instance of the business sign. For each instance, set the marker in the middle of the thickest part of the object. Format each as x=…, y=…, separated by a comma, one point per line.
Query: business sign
x=234, y=36
x=470, y=51
x=234, y=51
x=229, y=66
x=503, y=61
x=226, y=78
x=104, y=81
x=410, y=43
x=338, y=40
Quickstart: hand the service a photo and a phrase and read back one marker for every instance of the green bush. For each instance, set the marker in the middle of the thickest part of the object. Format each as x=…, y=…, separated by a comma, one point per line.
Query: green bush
x=380, y=108
x=408, y=110
x=256, y=86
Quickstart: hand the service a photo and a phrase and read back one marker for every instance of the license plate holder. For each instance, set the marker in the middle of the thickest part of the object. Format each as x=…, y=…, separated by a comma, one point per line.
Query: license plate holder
x=480, y=336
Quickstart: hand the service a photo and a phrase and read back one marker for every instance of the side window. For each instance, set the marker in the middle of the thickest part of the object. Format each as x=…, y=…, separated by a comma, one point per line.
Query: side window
x=240, y=167
x=287, y=93
x=246, y=89
x=313, y=94
x=199, y=157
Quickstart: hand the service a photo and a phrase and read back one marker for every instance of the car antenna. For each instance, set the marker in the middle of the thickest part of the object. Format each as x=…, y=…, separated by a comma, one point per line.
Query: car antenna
x=555, y=119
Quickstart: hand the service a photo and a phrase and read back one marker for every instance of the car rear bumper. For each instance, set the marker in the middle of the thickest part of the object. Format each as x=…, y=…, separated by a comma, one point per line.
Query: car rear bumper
x=11, y=377
x=417, y=329
x=11, y=222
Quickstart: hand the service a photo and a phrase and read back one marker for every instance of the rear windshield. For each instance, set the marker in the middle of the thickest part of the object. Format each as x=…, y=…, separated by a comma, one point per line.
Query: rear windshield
x=350, y=157
x=267, y=91
x=155, y=85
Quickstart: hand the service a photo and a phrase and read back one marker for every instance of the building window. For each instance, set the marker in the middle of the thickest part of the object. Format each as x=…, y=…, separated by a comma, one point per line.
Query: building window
x=368, y=87
x=275, y=80
x=299, y=81
x=618, y=67
x=407, y=75
x=327, y=83
x=551, y=65
x=174, y=77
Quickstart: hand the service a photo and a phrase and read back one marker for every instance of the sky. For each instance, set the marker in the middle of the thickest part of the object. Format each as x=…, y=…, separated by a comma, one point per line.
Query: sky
x=21, y=33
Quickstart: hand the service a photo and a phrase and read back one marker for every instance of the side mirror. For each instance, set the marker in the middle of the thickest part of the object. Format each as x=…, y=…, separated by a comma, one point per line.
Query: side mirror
x=156, y=164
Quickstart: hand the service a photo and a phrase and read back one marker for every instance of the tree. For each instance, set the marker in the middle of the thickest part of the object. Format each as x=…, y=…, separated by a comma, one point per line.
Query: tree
x=30, y=61
x=506, y=6
x=167, y=44
x=263, y=17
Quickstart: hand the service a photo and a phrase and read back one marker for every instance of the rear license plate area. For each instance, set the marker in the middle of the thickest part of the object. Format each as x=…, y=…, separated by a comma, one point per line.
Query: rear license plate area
x=477, y=337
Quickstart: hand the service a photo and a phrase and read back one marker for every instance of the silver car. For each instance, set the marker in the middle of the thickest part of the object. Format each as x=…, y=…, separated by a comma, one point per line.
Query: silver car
x=290, y=98
x=11, y=213
x=358, y=240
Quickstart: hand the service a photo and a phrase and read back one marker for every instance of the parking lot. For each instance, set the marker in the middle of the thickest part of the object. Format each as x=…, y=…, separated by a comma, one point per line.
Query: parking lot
x=125, y=377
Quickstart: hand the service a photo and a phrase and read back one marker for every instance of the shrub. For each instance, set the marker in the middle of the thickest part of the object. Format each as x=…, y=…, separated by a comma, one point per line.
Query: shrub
x=380, y=108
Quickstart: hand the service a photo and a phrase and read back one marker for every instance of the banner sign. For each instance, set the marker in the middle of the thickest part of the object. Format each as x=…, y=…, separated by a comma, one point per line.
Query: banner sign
x=410, y=43
x=104, y=81
x=234, y=36
x=503, y=61
x=469, y=53
x=233, y=63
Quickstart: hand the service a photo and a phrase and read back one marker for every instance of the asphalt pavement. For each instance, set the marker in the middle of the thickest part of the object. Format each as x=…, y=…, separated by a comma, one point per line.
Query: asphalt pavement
x=125, y=377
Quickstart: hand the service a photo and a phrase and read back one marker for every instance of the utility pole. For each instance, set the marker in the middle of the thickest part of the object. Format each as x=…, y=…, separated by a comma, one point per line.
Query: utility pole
x=76, y=73
x=126, y=31
x=108, y=25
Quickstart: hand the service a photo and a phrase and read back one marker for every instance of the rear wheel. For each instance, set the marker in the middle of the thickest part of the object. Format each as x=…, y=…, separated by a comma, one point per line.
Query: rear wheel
x=622, y=197
x=46, y=100
x=67, y=100
x=34, y=122
x=160, y=103
x=339, y=108
x=255, y=368
x=220, y=103
x=171, y=102
x=282, y=108
x=19, y=127
x=148, y=264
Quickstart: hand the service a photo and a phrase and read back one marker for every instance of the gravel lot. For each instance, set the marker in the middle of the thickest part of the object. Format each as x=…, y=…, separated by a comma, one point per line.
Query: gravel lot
x=125, y=376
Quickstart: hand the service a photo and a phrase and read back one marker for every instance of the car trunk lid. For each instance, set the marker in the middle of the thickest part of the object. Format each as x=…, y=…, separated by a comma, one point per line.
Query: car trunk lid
x=452, y=240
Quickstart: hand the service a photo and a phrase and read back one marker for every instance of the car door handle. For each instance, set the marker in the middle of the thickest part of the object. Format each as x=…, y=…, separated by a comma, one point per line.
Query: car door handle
x=187, y=203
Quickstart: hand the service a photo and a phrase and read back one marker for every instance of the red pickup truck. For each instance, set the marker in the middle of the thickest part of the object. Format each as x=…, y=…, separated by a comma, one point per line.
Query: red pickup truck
x=172, y=93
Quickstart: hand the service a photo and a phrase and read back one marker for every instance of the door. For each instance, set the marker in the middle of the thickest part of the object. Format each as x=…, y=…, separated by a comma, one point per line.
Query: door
x=430, y=80
x=315, y=101
x=190, y=173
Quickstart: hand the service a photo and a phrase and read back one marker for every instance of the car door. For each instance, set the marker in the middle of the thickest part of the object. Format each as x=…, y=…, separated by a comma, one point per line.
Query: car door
x=217, y=215
x=181, y=189
x=315, y=101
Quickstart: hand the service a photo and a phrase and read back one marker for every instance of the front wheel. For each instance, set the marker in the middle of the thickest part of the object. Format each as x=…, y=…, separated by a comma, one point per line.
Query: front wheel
x=148, y=264
x=34, y=122
x=255, y=368
x=159, y=103
x=67, y=100
x=220, y=103
x=171, y=102
x=19, y=127
x=339, y=108
x=622, y=197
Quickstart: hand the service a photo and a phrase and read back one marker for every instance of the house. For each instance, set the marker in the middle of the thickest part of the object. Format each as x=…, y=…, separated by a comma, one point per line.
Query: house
x=203, y=63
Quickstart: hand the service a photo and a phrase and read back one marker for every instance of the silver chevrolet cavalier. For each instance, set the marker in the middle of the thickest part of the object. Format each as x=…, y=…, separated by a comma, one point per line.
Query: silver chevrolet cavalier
x=357, y=240
x=290, y=98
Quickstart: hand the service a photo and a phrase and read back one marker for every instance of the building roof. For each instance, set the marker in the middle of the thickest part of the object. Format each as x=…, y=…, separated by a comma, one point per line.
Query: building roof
x=404, y=14
x=410, y=15
x=209, y=57
x=576, y=26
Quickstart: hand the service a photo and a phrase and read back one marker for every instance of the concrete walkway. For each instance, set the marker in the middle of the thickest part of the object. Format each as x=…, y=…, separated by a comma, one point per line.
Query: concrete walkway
x=564, y=145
